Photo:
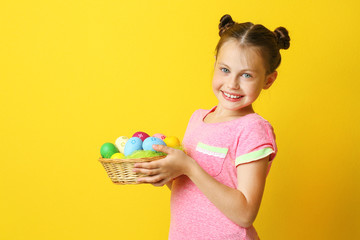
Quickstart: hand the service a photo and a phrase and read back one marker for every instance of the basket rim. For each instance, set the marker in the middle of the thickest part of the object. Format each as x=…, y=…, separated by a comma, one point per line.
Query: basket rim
x=147, y=159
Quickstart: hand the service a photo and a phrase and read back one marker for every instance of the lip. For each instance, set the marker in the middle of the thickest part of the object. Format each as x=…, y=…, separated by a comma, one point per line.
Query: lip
x=232, y=99
x=234, y=94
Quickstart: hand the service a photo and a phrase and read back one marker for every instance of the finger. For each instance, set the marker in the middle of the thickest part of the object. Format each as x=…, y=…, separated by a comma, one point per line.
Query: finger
x=147, y=165
x=150, y=179
x=160, y=183
x=162, y=148
x=145, y=171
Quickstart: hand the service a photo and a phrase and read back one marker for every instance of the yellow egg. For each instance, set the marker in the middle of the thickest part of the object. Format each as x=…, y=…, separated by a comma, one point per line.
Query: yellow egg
x=117, y=156
x=172, y=141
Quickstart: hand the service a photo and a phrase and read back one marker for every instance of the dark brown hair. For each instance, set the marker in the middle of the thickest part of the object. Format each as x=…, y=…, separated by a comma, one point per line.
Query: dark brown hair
x=248, y=34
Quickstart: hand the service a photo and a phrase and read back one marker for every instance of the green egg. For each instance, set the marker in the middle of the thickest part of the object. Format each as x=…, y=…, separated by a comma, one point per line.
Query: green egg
x=108, y=149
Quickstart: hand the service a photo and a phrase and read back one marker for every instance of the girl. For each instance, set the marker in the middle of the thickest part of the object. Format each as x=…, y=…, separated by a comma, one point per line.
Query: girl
x=217, y=187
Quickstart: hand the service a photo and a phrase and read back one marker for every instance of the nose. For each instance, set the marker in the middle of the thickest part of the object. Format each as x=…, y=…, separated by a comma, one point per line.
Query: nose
x=233, y=83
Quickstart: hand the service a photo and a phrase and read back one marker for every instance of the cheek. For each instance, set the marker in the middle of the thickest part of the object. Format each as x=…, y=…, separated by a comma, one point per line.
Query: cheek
x=252, y=89
x=256, y=92
x=216, y=84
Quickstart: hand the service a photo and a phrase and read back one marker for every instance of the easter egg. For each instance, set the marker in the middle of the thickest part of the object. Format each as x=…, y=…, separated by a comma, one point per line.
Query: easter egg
x=159, y=135
x=117, y=156
x=120, y=143
x=172, y=141
x=132, y=145
x=108, y=149
x=141, y=135
x=147, y=144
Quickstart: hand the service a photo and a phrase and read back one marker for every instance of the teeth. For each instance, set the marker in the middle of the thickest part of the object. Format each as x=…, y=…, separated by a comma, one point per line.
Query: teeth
x=231, y=96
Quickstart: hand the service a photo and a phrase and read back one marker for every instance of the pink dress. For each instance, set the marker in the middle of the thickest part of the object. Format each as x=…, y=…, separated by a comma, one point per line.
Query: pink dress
x=218, y=148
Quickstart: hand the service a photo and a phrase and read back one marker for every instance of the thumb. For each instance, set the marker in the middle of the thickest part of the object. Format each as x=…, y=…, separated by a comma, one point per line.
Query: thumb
x=162, y=148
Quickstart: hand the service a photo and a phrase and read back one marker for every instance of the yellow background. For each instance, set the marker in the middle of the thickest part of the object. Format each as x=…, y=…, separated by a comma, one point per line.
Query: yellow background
x=77, y=74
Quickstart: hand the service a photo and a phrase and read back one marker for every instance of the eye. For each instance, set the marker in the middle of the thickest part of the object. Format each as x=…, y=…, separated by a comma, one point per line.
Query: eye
x=246, y=75
x=225, y=70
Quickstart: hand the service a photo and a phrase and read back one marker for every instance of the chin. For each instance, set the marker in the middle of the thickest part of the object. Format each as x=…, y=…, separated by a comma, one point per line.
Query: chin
x=235, y=107
x=232, y=107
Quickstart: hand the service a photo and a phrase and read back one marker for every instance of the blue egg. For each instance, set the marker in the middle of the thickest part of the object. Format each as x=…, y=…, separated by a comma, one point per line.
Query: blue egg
x=148, y=142
x=132, y=145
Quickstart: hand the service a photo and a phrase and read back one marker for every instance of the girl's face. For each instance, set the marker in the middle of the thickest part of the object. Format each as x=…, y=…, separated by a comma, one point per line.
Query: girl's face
x=239, y=77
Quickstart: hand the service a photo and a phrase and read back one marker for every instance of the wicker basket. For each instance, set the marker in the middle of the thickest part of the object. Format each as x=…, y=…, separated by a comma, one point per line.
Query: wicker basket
x=120, y=171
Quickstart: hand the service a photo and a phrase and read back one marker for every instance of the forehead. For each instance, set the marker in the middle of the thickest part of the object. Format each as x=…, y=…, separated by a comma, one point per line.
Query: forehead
x=234, y=54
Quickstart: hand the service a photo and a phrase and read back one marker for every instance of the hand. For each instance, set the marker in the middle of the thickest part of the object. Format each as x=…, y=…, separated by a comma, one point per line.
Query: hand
x=161, y=171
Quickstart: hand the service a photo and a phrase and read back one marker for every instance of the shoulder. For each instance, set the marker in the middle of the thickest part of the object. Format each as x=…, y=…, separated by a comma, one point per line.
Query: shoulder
x=255, y=133
x=254, y=123
x=255, y=117
x=198, y=113
x=256, y=139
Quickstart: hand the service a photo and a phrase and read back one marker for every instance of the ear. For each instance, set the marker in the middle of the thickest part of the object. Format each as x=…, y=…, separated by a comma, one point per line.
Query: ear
x=270, y=79
x=215, y=61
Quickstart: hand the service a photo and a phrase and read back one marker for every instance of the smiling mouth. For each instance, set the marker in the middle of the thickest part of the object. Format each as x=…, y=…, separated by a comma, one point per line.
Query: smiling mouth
x=231, y=96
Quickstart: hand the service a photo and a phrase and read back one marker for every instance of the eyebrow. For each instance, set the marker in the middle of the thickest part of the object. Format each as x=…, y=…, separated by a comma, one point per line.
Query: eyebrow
x=252, y=70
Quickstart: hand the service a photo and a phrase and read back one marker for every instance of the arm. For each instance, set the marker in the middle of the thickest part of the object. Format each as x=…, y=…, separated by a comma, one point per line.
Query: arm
x=239, y=205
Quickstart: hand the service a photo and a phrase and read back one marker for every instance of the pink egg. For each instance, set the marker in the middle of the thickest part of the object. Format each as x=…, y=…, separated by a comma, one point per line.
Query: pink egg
x=159, y=135
x=141, y=135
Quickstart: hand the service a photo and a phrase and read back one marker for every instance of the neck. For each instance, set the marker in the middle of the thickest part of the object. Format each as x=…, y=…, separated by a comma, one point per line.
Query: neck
x=227, y=113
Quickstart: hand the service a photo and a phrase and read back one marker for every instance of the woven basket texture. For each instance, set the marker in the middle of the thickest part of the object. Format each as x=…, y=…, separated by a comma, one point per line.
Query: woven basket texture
x=120, y=170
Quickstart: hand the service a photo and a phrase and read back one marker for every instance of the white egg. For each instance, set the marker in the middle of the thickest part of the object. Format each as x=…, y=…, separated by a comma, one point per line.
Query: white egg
x=120, y=143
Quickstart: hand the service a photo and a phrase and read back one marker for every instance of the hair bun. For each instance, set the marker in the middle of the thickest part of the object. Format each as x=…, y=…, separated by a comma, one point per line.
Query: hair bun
x=282, y=36
x=226, y=22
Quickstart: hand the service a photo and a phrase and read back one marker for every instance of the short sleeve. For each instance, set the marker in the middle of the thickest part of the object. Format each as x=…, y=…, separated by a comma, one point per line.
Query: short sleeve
x=193, y=116
x=188, y=132
x=256, y=141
